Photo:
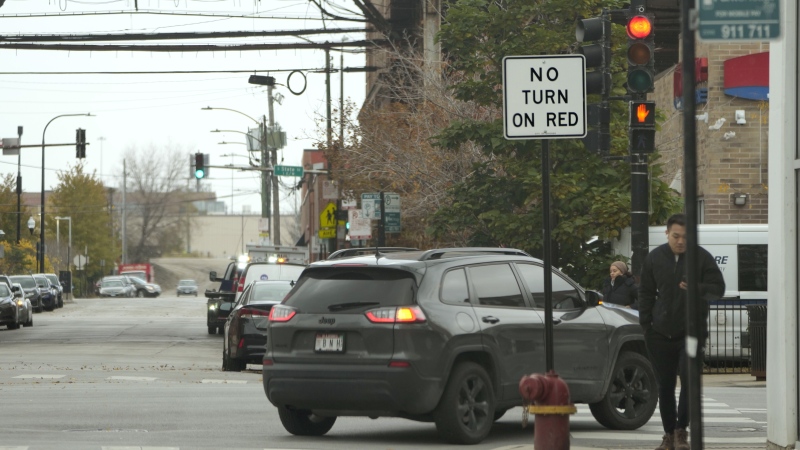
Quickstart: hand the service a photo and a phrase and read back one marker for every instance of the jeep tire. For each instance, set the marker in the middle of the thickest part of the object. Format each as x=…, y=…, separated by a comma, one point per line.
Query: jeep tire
x=303, y=423
x=632, y=394
x=466, y=410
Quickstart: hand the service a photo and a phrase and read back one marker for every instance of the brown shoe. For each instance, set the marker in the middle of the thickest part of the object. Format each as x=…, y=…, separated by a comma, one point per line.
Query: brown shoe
x=681, y=440
x=667, y=443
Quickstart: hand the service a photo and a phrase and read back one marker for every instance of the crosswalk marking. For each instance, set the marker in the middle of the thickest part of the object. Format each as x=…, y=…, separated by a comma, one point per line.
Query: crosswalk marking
x=224, y=381
x=39, y=377
x=127, y=378
x=714, y=414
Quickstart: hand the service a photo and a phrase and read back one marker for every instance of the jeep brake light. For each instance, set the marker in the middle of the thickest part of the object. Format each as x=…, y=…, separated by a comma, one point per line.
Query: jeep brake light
x=402, y=314
x=280, y=313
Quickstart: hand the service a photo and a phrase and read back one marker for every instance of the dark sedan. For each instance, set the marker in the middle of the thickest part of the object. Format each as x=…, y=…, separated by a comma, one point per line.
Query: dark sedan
x=48, y=292
x=145, y=289
x=246, y=326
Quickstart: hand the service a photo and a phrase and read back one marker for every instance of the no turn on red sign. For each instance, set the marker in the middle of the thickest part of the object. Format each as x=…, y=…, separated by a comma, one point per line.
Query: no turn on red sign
x=544, y=97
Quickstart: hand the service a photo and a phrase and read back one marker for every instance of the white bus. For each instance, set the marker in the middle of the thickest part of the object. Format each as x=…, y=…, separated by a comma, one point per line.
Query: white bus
x=741, y=253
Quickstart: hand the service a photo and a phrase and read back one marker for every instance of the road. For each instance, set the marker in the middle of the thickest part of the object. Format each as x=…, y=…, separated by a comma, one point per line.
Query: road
x=122, y=373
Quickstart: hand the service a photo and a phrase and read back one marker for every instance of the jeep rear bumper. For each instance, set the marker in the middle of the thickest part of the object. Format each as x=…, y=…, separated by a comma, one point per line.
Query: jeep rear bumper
x=351, y=390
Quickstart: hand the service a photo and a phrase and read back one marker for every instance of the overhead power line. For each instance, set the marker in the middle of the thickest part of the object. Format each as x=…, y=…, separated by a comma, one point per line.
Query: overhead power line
x=169, y=13
x=173, y=72
x=170, y=36
x=192, y=47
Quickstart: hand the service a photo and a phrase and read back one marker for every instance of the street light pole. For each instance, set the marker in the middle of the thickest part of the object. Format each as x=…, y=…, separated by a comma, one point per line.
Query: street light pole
x=265, y=194
x=19, y=180
x=41, y=225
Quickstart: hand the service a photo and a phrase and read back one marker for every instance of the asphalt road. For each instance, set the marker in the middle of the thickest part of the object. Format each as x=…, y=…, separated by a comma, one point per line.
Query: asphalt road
x=144, y=373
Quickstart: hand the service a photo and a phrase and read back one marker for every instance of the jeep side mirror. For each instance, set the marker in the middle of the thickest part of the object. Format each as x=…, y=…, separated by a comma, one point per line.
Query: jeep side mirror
x=593, y=298
x=212, y=276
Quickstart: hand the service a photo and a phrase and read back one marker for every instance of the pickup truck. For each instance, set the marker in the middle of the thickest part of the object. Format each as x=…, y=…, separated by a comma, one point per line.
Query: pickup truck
x=220, y=301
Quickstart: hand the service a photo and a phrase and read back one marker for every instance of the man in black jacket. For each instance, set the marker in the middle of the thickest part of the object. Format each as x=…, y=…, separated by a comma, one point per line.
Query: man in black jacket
x=662, y=314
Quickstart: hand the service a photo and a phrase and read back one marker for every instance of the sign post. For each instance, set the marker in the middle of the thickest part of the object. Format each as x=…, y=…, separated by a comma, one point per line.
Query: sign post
x=544, y=97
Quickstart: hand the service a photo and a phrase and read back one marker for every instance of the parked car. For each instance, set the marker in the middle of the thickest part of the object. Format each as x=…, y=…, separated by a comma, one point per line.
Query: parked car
x=15, y=310
x=24, y=304
x=56, y=283
x=186, y=287
x=145, y=289
x=445, y=335
x=246, y=327
x=49, y=294
x=116, y=287
x=31, y=290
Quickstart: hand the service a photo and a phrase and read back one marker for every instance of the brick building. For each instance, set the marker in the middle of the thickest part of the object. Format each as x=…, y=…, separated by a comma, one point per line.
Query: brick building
x=731, y=156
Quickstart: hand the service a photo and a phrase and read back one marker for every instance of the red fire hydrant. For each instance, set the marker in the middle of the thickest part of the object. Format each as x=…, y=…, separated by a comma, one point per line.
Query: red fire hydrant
x=551, y=408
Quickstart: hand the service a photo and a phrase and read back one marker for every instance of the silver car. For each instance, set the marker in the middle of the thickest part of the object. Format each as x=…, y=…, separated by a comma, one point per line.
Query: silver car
x=187, y=287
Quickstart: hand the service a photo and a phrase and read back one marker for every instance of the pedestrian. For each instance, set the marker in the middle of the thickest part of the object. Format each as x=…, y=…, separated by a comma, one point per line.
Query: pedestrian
x=662, y=314
x=620, y=287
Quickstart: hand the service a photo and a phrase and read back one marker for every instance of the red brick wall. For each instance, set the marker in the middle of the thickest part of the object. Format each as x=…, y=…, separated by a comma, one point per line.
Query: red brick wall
x=736, y=165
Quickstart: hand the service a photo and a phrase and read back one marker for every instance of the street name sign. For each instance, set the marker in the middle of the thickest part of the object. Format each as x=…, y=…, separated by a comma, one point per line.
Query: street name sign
x=739, y=20
x=544, y=97
x=289, y=171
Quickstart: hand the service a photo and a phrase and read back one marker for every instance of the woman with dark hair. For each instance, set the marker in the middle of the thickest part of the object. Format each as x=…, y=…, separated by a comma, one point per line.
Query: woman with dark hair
x=620, y=287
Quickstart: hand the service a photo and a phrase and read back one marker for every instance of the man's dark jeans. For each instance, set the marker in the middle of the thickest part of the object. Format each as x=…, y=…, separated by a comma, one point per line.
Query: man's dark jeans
x=668, y=356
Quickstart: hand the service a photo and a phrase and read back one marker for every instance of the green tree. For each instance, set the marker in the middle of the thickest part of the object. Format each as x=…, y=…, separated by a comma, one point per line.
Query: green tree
x=500, y=203
x=83, y=198
x=8, y=208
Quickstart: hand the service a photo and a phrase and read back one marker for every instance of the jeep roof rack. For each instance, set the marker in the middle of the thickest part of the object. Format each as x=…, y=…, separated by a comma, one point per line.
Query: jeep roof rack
x=361, y=251
x=440, y=253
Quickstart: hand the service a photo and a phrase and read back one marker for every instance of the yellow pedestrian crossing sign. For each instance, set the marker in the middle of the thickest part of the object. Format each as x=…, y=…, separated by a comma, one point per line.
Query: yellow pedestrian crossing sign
x=327, y=218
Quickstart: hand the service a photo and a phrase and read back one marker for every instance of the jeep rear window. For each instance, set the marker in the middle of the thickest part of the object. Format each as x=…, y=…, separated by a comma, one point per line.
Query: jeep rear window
x=351, y=290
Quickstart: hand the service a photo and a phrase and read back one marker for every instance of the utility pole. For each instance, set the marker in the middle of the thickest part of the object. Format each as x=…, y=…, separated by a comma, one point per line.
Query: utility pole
x=124, y=213
x=328, y=126
x=273, y=157
x=19, y=180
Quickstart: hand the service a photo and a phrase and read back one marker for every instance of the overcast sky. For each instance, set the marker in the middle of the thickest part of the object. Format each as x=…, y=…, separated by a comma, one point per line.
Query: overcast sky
x=162, y=110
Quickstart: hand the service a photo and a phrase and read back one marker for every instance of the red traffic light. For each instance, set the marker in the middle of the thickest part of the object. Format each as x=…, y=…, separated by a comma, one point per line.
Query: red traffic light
x=639, y=27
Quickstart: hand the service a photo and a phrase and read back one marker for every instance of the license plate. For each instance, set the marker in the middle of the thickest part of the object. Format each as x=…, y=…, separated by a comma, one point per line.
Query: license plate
x=329, y=342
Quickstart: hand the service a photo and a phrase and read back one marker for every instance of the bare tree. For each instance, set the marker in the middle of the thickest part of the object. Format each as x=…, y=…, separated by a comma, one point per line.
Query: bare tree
x=392, y=148
x=156, y=196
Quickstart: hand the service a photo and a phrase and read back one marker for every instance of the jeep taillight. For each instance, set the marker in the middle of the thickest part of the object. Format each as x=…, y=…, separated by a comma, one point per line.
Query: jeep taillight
x=280, y=313
x=400, y=314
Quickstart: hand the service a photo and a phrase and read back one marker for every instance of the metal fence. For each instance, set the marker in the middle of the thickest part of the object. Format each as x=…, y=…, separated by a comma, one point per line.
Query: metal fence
x=729, y=344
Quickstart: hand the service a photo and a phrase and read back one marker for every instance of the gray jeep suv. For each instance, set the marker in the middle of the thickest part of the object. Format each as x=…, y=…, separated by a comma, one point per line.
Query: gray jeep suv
x=445, y=336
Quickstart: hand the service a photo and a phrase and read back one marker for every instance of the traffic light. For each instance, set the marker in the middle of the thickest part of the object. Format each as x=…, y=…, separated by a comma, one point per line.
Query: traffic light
x=80, y=143
x=641, y=72
x=598, y=55
x=199, y=165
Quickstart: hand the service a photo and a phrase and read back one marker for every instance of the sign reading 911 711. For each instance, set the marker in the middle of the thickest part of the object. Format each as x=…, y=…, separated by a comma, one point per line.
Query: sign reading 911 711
x=544, y=97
